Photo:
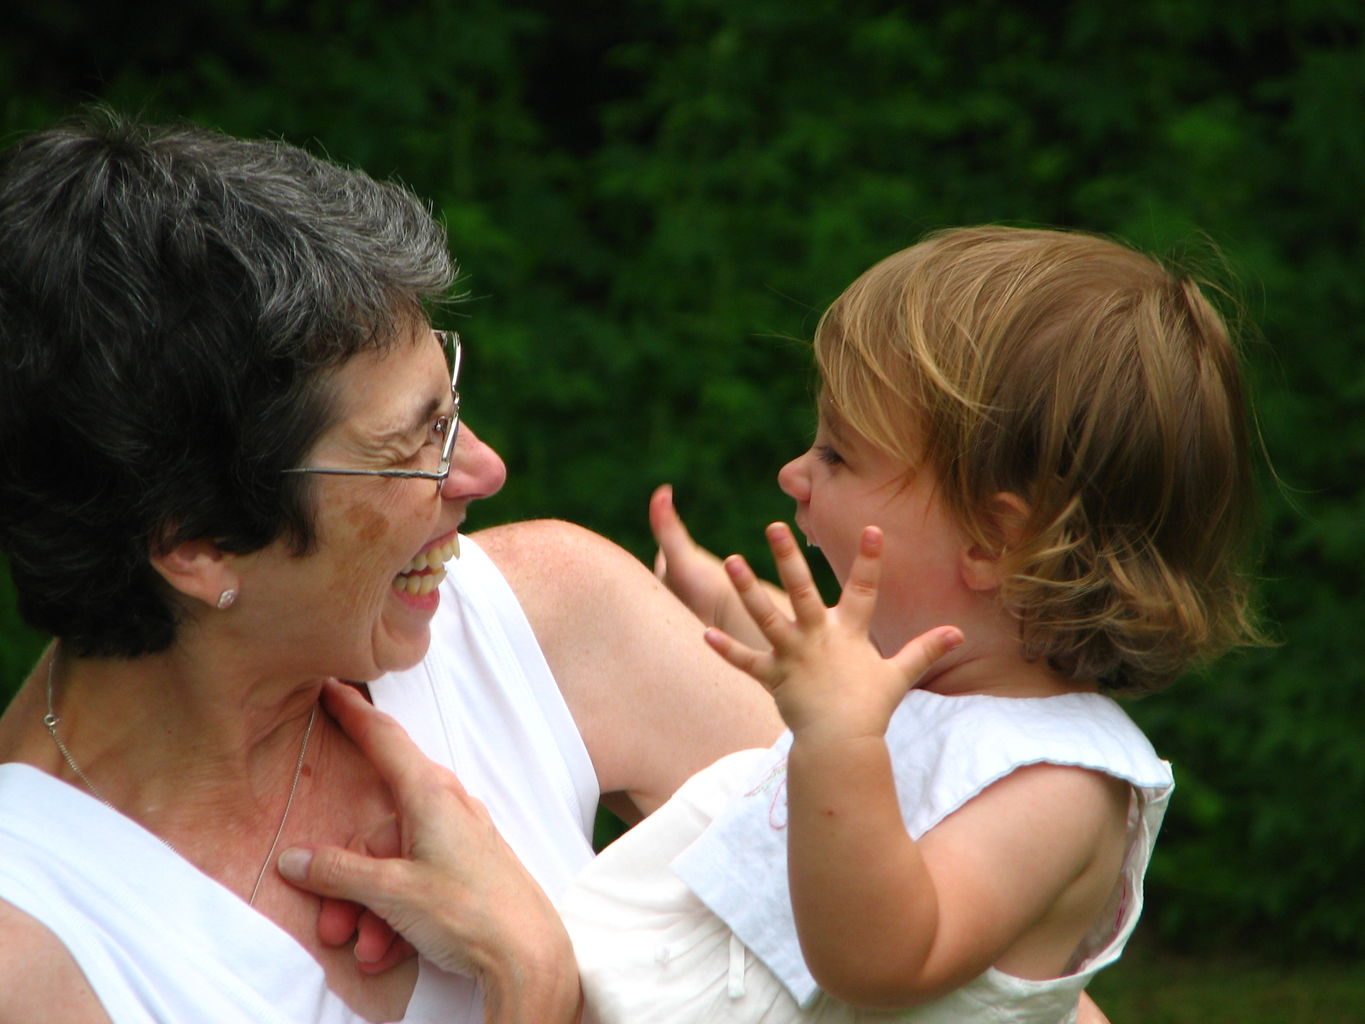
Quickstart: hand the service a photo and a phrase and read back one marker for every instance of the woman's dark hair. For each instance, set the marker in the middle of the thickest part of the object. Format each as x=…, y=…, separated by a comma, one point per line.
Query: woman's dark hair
x=171, y=301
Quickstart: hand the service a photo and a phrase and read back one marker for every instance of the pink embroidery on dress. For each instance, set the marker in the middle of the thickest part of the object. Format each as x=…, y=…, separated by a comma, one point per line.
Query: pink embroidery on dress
x=776, y=781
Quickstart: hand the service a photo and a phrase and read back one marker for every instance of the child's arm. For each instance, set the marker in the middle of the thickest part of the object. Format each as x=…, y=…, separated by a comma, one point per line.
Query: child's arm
x=883, y=920
x=697, y=577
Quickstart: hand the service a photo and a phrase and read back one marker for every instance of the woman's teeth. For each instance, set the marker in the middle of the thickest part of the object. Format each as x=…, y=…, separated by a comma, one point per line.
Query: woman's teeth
x=426, y=571
x=421, y=583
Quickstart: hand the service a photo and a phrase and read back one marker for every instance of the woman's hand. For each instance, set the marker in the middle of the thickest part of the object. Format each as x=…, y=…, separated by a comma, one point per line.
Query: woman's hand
x=377, y=946
x=822, y=670
x=444, y=878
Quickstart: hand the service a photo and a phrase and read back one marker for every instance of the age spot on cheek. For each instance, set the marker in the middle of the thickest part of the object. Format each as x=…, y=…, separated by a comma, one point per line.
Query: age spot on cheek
x=369, y=524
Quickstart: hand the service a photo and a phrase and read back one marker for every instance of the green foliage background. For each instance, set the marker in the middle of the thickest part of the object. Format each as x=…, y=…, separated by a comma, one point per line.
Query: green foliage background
x=653, y=199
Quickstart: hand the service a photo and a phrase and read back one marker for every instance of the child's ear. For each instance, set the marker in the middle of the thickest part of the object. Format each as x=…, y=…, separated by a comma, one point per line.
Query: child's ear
x=197, y=568
x=1006, y=516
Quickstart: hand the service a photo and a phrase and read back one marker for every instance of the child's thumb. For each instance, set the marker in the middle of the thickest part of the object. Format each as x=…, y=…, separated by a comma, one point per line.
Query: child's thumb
x=915, y=658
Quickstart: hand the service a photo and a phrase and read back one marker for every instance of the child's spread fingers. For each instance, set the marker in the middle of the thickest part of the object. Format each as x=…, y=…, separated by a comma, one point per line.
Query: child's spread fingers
x=916, y=657
x=771, y=623
x=859, y=597
x=758, y=664
x=666, y=525
x=807, y=604
x=662, y=518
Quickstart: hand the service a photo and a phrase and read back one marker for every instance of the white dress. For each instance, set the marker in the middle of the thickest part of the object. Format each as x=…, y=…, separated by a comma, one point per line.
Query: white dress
x=162, y=943
x=687, y=918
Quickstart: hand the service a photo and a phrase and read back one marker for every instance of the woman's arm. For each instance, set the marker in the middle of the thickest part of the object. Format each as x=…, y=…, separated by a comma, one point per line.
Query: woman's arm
x=1088, y=1013
x=40, y=980
x=653, y=703
x=451, y=886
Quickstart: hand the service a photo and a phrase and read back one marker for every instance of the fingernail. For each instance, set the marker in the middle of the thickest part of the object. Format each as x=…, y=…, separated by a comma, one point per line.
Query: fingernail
x=293, y=864
x=952, y=636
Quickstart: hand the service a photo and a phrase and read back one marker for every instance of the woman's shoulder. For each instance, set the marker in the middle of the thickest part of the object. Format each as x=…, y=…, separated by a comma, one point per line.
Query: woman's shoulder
x=567, y=578
x=39, y=977
x=534, y=548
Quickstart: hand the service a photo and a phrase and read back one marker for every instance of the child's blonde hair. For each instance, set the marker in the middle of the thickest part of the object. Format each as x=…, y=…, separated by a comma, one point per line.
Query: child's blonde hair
x=1100, y=389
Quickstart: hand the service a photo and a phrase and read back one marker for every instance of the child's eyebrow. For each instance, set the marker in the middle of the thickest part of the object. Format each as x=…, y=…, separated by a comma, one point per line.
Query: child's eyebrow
x=833, y=422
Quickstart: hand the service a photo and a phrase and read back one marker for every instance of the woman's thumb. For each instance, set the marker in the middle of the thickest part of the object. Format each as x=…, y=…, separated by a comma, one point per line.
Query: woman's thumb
x=332, y=871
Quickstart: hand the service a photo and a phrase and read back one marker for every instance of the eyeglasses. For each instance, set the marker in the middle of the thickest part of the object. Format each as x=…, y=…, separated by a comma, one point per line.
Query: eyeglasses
x=450, y=341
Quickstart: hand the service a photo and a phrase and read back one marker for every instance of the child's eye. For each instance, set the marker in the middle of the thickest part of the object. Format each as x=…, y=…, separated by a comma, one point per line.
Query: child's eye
x=828, y=455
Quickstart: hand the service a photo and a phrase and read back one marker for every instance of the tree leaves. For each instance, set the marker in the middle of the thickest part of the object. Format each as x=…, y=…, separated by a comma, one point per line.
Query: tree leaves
x=652, y=202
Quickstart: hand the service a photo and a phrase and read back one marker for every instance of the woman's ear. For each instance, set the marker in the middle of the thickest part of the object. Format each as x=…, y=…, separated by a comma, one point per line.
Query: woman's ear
x=199, y=569
x=1006, y=516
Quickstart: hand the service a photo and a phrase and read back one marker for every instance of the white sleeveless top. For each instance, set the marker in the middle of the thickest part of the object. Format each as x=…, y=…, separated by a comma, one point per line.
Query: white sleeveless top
x=688, y=916
x=162, y=943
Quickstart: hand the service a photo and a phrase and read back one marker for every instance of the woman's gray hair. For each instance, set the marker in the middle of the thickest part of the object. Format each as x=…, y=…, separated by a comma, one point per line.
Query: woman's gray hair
x=171, y=301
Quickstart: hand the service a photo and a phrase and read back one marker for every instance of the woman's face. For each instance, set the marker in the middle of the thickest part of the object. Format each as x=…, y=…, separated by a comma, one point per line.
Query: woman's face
x=360, y=603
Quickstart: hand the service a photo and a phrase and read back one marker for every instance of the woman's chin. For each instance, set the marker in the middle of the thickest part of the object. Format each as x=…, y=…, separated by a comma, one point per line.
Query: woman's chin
x=405, y=631
x=398, y=656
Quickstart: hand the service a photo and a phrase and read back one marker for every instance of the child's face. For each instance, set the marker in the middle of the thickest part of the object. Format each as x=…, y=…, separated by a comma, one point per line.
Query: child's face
x=842, y=484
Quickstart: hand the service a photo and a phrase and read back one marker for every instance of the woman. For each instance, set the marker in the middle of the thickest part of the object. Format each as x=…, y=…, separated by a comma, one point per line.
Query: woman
x=231, y=467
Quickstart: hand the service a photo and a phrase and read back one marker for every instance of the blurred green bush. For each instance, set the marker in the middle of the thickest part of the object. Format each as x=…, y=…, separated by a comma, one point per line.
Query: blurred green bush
x=652, y=201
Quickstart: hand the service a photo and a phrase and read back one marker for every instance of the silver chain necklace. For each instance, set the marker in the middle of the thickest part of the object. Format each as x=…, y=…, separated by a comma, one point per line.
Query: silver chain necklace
x=51, y=721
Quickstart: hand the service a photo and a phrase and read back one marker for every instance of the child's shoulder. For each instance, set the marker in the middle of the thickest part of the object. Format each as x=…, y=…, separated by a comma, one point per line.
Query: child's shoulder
x=1071, y=714
x=946, y=750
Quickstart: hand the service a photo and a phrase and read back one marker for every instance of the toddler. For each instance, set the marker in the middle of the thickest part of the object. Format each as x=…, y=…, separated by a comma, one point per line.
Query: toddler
x=1039, y=438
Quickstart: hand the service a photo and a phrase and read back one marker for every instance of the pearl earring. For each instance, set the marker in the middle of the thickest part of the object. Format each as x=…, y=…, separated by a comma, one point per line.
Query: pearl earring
x=227, y=599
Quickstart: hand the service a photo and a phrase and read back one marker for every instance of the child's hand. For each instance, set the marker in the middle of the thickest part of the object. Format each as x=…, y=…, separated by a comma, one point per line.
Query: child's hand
x=827, y=677
x=695, y=575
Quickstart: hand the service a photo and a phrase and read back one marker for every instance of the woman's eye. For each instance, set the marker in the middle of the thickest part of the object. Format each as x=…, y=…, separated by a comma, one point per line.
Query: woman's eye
x=828, y=455
x=440, y=427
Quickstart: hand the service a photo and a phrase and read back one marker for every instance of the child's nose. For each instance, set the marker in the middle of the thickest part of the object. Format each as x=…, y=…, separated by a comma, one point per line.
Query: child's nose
x=794, y=479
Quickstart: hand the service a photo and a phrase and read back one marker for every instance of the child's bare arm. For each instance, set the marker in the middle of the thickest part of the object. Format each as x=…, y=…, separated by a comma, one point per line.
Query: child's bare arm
x=886, y=921
x=889, y=922
x=697, y=577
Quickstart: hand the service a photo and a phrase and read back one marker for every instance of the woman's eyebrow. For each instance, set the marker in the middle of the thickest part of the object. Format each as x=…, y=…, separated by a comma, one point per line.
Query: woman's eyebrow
x=416, y=423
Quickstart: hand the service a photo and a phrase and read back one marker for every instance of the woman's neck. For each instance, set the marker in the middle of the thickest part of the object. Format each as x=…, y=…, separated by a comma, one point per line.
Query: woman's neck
x=153, y=737
x=207, y=764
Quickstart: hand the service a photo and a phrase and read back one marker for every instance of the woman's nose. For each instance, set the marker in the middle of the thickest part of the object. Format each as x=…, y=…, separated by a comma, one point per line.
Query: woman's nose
x=476, y=470
x=794, y=478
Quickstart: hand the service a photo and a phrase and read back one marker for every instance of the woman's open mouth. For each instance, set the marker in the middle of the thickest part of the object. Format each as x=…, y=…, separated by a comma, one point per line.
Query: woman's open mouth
x=426, y=571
